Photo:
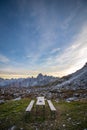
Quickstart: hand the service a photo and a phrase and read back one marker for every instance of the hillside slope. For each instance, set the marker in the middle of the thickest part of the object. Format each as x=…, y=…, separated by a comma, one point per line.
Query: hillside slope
x=77, y=80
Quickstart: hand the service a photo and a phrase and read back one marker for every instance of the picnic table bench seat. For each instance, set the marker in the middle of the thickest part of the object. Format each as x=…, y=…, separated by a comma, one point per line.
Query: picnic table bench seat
x=30, y=106
x=52, y=108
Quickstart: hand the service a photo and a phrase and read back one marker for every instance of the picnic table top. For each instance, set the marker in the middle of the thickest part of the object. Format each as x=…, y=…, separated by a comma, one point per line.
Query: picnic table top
x=40, y=101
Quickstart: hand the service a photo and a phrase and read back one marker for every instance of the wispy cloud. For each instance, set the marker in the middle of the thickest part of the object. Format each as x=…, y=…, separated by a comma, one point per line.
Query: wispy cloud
x=55, y=50
x=68, y=60
x=72, y=58
x=45, y=30
x=72, y=15
x=4, y=59
x=13, y=71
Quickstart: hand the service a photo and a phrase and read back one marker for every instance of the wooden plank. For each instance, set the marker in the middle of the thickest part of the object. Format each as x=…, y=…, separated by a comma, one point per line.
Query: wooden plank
x=40, y=101
x=30, y=106
x=51, y=105
x=40, y=97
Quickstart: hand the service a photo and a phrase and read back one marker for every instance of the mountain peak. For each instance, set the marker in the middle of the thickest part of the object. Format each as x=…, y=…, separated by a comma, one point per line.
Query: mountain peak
x=85, y=64
x=40, y=75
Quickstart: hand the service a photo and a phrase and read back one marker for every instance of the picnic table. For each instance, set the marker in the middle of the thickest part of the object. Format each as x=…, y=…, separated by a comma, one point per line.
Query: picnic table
x=41, y=102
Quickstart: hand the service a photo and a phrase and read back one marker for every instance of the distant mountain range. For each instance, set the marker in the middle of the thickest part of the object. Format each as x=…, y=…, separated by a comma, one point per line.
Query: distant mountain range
x=73, y=81
x=40, y=80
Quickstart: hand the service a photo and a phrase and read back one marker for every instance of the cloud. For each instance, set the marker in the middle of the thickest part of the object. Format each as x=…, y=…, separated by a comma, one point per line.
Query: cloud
x=28, y=56
x=4, y=59
x=72, y=16
x=17, y=72
x=77, y=52
x=55, y=50
x=46, y=26
x=45, y=31
x=72, y=58
x=68, y=60
x=42, y=32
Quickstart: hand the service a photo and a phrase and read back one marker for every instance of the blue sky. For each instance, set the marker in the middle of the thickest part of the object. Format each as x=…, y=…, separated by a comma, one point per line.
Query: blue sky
x=42, y=36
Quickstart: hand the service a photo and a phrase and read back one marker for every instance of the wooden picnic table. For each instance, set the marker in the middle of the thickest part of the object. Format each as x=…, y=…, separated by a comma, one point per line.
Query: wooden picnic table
x=41, y=102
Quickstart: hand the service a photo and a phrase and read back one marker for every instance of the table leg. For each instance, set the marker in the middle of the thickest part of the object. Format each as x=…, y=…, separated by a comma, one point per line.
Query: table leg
x=43, y=112
x=36, y=111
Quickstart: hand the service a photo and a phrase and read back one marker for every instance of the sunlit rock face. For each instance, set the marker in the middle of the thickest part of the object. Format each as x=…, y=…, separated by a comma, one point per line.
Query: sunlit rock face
x=77, y=80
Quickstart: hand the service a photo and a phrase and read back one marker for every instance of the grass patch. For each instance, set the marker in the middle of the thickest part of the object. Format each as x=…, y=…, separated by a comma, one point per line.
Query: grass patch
x=69, y=116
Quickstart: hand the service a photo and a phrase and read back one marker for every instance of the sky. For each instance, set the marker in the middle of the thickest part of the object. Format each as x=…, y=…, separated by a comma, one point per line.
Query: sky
x=42, y=36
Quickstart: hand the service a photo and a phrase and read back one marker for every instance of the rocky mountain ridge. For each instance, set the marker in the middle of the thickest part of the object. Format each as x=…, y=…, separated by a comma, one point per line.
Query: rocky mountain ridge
x=40, y=80
x=77, y=80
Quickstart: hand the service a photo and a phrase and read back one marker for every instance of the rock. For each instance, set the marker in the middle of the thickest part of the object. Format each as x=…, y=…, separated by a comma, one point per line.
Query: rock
x=13, y=128
x=2, y=101
x=71, y=99
x=56, y=100
x=78, y=123
x=67, y=114
x=51, y=124
x=69, y=119
x=64, y=125
x=21, y=129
